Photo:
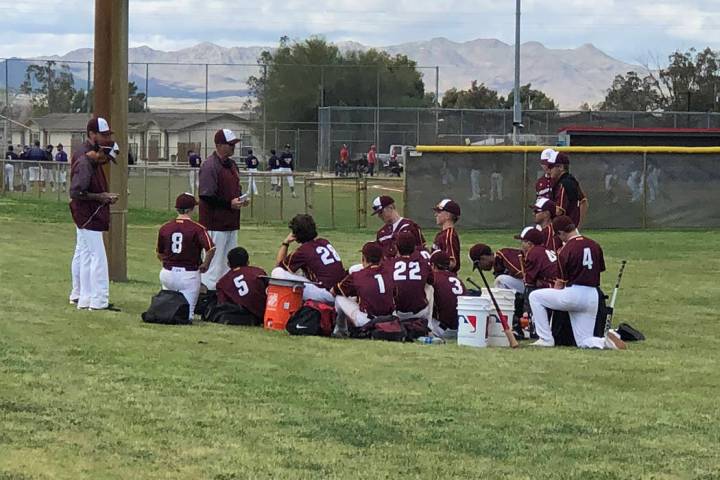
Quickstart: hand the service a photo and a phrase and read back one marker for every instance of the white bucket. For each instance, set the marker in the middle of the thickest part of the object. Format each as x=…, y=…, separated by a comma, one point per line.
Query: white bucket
x=506, y=301
x=472, y=321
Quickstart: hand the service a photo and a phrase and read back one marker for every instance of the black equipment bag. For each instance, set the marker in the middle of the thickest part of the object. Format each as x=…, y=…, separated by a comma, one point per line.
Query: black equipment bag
x=415, y=328
x=386, y=328
x=313, y=318
x=562, y=329
x=231, y=314
x=629, y=334
x=168, y=308
x=205, y=302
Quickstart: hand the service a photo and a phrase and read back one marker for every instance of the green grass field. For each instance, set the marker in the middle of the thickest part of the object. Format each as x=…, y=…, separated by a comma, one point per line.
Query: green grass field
x=100, y=395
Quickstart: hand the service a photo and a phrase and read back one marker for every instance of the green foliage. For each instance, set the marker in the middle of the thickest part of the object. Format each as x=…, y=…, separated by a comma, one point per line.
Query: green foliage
x=531, y=99
x=301, y=76
x=136, y=100
x=52, y=89
x=483, y=97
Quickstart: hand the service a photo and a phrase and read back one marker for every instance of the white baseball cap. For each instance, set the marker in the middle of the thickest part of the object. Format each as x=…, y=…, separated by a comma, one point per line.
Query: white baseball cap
x=548, y=155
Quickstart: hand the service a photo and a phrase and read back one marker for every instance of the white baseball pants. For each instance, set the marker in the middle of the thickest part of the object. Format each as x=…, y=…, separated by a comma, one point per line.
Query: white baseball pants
x=579, y=301
x=351, y=309
x=184, y=281
x=311, y=291
x=290, y=179
x=224, y=242
x=510, y=283
x=93, y=270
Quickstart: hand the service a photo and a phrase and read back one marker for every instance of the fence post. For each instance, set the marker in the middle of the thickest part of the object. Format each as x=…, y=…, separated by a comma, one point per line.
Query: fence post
x=57, y=180
x=145, y=186
x=2, y=165
x=39, y=180
x=363, y=206
x=357, y=202
x=644, y=177
x=169, y=185
x=525, y=188
x=282, y=193
x=332, y=202
x=252, y=195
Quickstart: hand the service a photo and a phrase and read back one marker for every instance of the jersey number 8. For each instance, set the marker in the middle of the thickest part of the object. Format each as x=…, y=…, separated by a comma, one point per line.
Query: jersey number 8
x=177, y=240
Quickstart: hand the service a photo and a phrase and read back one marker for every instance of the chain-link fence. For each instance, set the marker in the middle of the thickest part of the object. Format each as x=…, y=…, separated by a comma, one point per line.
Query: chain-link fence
x=625, y=190
x=335, y=202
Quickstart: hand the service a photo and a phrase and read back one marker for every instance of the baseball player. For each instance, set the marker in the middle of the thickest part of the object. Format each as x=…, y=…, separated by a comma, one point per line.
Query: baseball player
x=566, y=193
x=544, y=211
x=576, y=291
x=9, y=170
x=243, y=285
x=540, y=268
x=220, y=202
x=90, y=208
x=374, y=288
x=384, y=207
x=447, y=287
x=252, y=163
x=287, y=165
x=48, y=175
x=506, y=265
x=413, y=280
x=274, y=166
x=447, y=213
x=317, y=259
x=61, y=157
x=180, y=246
x=543, y=186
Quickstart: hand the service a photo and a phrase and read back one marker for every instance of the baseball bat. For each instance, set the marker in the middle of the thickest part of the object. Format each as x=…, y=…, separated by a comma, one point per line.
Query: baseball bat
x=611, y=308
x=471, y=282
x=506, y=328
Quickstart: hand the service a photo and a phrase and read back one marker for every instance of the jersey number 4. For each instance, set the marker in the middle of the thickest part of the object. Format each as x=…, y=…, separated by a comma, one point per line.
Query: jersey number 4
x=587, y=259
x=177, y=241
x=407, y=271
x=328, y=255
x=241, y=285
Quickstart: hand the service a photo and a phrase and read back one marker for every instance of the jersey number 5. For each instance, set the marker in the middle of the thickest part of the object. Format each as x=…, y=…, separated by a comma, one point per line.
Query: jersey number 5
x=587, y=259
x=241, y=285
x=177, y=239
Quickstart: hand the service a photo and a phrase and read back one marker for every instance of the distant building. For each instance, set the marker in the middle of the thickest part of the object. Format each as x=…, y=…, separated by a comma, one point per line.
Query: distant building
x=581, y=136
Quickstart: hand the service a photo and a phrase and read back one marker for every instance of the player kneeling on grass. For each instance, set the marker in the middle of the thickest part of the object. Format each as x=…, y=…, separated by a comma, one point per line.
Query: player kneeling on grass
x=179, y=247
x=413, y=284
x=244, y=287
x=581, y=261
x=366, y=294
x=446, y=289
x=447, y=214
x=315, y=257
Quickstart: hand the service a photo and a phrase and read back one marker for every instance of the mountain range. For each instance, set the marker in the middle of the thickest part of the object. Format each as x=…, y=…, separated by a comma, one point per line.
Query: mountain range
x=570, y=76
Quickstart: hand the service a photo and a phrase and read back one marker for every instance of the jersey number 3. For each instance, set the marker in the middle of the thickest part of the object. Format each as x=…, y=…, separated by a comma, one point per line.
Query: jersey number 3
x=587, y=259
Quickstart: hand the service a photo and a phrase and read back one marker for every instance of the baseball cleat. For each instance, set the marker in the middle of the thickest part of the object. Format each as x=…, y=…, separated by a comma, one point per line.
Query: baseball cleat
x=614, y=342
x=74, y=301
x=542, y=343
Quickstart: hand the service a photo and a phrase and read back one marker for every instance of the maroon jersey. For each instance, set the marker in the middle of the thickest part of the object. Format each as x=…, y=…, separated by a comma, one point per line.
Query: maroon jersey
x=507, y=262
x=374, y=287
x=543, y=187
x=387, y=236
x=449, y=242
x=87, y=177
x=243, y=286
x=541, y=267
x=550, y=239
x=78, y=152
x=181, y=242
x=567, y=195
x=219, y=185
x=581, y=262
x=447, y=289
x=319, y=260
x=411, y=274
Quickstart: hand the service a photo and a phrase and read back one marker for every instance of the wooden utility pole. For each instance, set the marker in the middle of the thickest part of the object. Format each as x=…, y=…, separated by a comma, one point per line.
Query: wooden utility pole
x=111, y=102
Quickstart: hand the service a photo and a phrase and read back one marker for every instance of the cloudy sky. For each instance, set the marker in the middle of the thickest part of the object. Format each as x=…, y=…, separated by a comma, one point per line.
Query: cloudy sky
x=630, y=30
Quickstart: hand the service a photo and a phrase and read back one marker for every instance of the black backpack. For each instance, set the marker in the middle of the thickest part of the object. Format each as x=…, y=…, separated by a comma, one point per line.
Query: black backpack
x=629, y=334
x=231, y=314
x=168, y=308
x=386, y=328
x=313, y=318
x=205, y=302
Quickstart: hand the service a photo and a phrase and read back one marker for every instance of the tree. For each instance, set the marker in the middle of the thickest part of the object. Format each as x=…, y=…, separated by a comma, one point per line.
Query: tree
x=531, y=99
x=477, y=96
x=301, y=76
x=52, y=89
x=691, y=81
x=632, y=93
x=136, y=100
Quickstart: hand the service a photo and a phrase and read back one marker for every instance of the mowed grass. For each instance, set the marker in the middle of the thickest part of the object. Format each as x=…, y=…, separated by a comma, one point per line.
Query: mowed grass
x=102, y=395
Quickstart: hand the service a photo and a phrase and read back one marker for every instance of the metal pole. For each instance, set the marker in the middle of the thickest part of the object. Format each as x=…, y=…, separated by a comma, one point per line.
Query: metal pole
x=206, y=111
x=6, y=123
x=517, y=113
x=89, y=86
x=322, y=85
x=332, y=201
x=437, y=85
x=644, y=177
x=145, y=186
x=169, y=187
x=147, y=86
x=264, y=111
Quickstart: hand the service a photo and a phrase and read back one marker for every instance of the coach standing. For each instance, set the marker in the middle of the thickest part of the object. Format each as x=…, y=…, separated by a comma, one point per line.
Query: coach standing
x=90, y=208
x=220, y=203
x=566, y=192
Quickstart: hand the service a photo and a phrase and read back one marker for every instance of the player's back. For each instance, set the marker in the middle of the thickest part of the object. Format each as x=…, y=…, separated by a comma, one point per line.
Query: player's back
x=448, y=241
x=448, y=287
x=374, y=286
x=319, y=260
x=410, y=273
x=181, y=242
x=581, y=262
x=541, y=267
x=507, y=262
x=244, y=286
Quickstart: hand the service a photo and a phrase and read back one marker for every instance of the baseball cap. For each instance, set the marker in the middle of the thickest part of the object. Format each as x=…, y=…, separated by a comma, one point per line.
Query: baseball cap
x=381, y=202
x=111, y=151
x=563, y=223
x=225, y=136
x=449, y=206
x=440, y=259
x=372, y=251
x=185, y=201
x=406, y=242
x=98, y=125
x=559, y=159
x=59, y=145
x=544, y=205
x=531, y=234
x=547, y=154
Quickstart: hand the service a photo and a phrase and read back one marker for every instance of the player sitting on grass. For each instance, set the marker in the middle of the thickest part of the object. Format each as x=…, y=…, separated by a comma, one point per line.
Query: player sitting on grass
x=243, y=285
x=373, y=290
x=447, y=214
x=315, y=257
x=179, y=247
x=413, y=280
x=576, y=292
x=544, y=210
x=446, y=289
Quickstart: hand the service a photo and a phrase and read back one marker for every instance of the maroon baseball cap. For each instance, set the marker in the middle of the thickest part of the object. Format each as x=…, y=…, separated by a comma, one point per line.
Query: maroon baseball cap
x=185, y=201
x=381, y=202
x=99, y=125
x=531, y=234
x=559, y=159
x=440, y=259
x=406, y=242
x=225, y=136
x=372, y=251
x=563, y=223
x=544, y=205
x=449, y=206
